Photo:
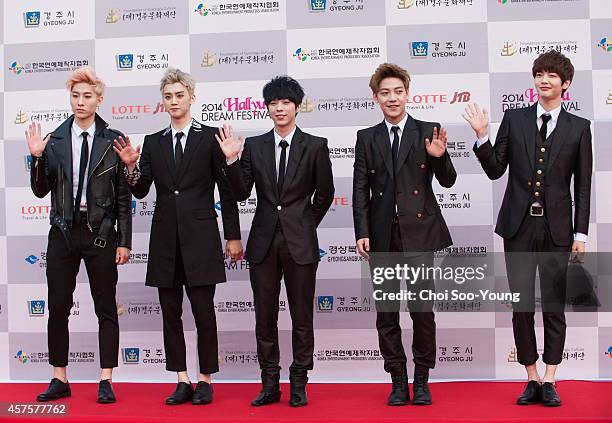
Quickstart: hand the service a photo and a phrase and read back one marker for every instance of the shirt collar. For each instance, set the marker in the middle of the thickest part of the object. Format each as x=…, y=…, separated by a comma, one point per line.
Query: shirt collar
x=185, y=130
x=401, y=125
x=288, y=138
x=554, y=113
x=90, y=131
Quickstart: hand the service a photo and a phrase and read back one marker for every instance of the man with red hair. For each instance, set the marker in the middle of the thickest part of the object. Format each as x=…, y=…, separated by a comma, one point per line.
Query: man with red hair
x=89, y=197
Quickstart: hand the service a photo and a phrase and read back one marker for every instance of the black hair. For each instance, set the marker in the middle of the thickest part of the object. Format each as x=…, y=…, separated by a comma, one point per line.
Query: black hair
x=283, y=87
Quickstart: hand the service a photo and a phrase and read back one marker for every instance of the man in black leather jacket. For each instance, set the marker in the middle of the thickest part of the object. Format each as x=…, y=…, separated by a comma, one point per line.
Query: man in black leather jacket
x=89, y=195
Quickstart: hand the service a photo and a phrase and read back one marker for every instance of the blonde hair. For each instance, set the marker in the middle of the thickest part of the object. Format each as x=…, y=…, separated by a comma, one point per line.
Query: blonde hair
x=87, y=75
x=174, y=75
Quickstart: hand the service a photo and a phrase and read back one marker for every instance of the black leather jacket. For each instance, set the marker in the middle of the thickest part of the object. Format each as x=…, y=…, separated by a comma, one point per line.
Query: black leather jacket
x=108, y=196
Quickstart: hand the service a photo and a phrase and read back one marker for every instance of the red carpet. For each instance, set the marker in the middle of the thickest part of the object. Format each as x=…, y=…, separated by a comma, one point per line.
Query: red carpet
x=455, y=401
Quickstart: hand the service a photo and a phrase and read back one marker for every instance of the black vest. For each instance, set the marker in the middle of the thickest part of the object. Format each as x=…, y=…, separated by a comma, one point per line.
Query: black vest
x=542, y=155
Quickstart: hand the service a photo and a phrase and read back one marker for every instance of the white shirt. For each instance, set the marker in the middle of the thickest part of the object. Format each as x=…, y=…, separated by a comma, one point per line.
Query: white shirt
x=77, y=144
x=552, y=123
x=185, y=131
x=550, y=126
x=401, y=126
x=278, y=149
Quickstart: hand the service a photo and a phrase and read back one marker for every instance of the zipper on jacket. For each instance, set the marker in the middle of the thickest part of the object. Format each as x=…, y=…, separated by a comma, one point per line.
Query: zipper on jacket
x=98, y=164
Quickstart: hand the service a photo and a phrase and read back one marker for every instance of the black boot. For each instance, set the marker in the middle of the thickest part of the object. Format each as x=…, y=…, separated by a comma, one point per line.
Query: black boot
x=400, y=395
x=270, y=392
x=420, y=386
x=297, y=384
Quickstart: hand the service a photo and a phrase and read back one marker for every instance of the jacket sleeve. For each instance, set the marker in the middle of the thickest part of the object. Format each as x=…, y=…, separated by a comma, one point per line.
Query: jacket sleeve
x=240, y=174
x=141, y=188
x=583, y=171
x=229, y=207
x=123, y=208
x=40, y=179
x=443, y=168
x=324, y=184
x=494, y=159
x=361, y=192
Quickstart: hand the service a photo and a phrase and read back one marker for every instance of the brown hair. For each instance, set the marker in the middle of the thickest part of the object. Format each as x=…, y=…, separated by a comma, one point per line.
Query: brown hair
x=388, y=70
x=88, y=75
x=553, y=61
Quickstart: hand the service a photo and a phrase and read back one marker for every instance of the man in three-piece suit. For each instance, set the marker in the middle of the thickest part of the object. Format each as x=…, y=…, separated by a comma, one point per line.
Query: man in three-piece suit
x=184, y=162
x=89, y=196
x=395, y=210
x=544, y=146
x=292, y=174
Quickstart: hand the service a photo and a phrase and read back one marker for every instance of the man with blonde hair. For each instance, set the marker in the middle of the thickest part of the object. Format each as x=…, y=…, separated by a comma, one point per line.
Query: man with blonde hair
x=184, y=162
x=89, y=197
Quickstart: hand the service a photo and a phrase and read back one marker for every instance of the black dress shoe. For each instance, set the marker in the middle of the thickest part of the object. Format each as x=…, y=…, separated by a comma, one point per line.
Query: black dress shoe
x=57, y=389
x=531, y=394
x=105, y=392
x=420, y=390
x=550, y=398
x=266, y=397
x=182, y=394
x=203, y=394
x=399, y=395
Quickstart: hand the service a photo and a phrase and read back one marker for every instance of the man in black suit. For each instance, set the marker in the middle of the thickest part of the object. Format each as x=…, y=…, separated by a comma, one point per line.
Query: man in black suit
x=184, y=162
x=544, y=146
x=395, y=210
x=292, y=174
x=89, y=196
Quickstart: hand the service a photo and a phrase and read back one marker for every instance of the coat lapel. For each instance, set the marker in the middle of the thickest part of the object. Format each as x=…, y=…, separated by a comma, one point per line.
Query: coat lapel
x=194, y=140
x=560, y=135
x=383, y=145
x=295, y=155
x=410, y=137
x=269, y=161
x=165, y=144
x=61, y=141
x=530, y=129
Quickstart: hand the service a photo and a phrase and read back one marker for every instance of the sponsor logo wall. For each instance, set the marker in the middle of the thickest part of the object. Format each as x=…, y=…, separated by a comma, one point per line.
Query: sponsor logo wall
x=457, y=52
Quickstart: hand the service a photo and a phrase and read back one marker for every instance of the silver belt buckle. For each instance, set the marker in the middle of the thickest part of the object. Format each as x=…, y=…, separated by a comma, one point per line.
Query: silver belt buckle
x=99, y=242
x=536, y=211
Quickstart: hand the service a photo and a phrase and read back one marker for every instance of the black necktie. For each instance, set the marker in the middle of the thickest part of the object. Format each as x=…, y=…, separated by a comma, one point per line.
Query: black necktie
x=395, y=145
x=544, y=127
x=282, y=164
x=178, y=151
x=82, y=168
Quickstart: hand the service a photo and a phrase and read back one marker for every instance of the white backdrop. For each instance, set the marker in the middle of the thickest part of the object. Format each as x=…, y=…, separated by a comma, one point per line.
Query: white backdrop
x=455, y=50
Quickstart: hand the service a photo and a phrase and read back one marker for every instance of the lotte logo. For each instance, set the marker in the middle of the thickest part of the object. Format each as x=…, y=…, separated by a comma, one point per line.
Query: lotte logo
x=34, y=210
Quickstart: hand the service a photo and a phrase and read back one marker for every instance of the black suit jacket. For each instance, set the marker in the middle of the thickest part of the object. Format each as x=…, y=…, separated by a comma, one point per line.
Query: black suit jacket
x=108, y=196
x=422, y=226
x=308, y=191
x=570, y=154
x=185, y=206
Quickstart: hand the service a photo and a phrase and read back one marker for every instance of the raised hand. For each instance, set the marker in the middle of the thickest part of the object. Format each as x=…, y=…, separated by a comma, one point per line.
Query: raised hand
x=36, y=143
x=437, y=146
x=128, y=154
x=478, y=118
x=230, y=145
